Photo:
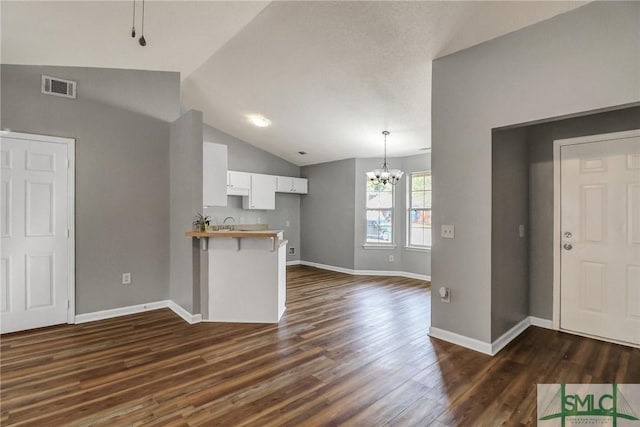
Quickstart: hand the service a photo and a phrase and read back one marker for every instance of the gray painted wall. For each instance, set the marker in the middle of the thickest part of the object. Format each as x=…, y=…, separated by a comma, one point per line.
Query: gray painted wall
x=509, y=210
x=540, y=138
x=327, y=212
x=120, y=122
x=186, y=201
x=335, y=211
x=584, y=60
x=243, y=156
x=410, y=261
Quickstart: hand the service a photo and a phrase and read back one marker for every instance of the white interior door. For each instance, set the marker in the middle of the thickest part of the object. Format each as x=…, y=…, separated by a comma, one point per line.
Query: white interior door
x=34, y=267
x=600, y=239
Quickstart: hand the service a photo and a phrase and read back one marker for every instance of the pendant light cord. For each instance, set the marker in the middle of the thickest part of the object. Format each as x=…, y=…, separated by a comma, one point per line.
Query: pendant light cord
x=133, y=20
x=142, y=41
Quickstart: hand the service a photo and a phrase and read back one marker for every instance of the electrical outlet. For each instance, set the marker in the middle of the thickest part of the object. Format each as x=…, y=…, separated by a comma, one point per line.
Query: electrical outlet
x=126, y=278
x=521, y=230
x=287, y=223
x=391, y=258
x=292, y=251
x=447, y=232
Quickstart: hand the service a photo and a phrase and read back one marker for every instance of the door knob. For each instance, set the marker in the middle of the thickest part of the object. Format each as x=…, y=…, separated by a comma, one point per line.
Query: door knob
x=567, y=246
x=568, y=234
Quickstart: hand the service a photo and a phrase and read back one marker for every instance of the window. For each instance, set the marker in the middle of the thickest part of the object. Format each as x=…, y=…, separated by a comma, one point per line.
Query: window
x=379, y=213
x=419, y=207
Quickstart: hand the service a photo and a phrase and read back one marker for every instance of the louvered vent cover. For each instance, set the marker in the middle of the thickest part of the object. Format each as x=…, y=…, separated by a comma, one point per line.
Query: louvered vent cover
x=58, y=87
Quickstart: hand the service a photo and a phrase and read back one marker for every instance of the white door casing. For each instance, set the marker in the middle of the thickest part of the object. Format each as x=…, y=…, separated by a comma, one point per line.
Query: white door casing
x=36, y=218
x=597, y=236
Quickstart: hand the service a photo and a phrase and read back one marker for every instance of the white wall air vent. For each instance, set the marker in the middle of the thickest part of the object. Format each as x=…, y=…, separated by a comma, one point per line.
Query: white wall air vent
x=58, y=87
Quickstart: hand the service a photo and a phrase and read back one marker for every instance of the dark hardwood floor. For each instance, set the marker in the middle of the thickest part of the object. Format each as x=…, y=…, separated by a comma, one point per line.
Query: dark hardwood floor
x=348, y=351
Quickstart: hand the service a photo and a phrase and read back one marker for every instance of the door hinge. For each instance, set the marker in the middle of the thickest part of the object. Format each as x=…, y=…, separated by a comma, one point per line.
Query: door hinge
x=68, y=233
x=68, y=304
x=68, y=163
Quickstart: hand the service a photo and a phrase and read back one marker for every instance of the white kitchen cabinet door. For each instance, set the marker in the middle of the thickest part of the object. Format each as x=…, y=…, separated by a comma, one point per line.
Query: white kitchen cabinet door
x=299, y=185
x=288, y=184
x=238, y=183
x=262, y=194
x=283, y=184
x=214, y=174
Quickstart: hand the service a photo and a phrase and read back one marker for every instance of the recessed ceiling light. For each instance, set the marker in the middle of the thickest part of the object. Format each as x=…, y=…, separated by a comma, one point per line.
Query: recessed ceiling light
x=260, y=121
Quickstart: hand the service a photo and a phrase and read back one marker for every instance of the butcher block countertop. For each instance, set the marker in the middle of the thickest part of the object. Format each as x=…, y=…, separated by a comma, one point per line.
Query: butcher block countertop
x=234, y=233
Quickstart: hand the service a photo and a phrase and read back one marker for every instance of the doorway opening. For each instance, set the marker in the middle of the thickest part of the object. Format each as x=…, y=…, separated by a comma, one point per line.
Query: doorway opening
x=523, y=216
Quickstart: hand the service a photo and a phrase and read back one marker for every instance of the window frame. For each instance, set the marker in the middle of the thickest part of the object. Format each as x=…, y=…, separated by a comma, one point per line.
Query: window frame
x=410, y=192
x=380, y=244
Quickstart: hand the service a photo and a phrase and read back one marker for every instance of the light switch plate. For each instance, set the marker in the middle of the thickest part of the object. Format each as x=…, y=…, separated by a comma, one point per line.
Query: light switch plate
x=445, y=294
x=447, y=232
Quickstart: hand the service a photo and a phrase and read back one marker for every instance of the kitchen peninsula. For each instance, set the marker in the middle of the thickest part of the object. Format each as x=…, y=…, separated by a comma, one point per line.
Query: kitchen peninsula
x=247, y=275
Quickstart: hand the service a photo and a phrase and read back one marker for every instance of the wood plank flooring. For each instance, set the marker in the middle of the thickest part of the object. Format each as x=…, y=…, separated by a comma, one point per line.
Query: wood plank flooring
x=350, y=351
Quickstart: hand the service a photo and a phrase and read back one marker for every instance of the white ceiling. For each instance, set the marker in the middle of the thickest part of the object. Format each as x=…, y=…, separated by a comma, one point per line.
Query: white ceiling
x=329, y=75
x=180, y=35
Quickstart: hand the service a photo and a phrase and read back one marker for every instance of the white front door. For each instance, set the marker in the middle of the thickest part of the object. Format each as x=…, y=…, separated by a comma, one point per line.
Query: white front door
x=600, y=239
x=34, y=219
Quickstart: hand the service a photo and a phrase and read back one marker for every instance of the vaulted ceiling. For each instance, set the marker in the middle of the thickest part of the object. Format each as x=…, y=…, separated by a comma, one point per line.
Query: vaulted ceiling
x=330, y=75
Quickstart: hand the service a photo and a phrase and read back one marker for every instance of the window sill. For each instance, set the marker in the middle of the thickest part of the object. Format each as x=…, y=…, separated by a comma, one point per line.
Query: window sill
x=418, y=248
x=378, y=246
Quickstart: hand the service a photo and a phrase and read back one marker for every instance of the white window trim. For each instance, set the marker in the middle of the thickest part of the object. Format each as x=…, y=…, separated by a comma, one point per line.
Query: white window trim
x=379, y=246
x=418, y=248
x=408, y=246
x=392, y=244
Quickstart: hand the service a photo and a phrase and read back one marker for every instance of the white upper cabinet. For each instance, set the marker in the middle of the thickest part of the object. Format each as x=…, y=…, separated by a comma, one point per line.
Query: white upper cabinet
x=214, y=171
x=288, y=184
x=262, y=194
x=299, y=185
x=238, y=183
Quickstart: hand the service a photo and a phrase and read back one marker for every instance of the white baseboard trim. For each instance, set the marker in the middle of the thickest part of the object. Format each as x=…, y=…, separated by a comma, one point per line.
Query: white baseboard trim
x=188, y=317
x=139, y=308
x=120, y=311
x=327, y=267
x=509, y=336
x=541, y=323
x=461, y=340
x=497, y=345
x=296, y=262
x=366, y=272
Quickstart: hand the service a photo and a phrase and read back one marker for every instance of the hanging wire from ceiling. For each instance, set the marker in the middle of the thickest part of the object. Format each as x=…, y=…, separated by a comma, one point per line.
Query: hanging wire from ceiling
x=133, y=21
x=142, y=40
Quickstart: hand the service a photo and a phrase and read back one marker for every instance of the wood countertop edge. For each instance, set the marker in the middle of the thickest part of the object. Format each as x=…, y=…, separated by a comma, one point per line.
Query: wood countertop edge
x=237, y=234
